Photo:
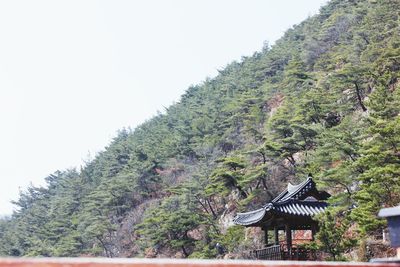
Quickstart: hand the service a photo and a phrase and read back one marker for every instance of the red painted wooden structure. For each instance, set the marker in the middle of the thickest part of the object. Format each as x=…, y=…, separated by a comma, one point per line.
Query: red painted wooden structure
x=100, y=262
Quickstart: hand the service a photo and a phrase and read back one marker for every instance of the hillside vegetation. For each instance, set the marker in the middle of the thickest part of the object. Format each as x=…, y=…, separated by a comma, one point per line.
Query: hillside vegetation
x=323, y=100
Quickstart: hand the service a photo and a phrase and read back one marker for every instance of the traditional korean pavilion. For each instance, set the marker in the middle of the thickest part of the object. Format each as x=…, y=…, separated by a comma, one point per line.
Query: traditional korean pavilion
x=291, y=210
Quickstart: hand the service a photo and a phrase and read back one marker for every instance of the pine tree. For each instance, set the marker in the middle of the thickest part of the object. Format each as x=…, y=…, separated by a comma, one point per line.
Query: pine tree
x=380, y=159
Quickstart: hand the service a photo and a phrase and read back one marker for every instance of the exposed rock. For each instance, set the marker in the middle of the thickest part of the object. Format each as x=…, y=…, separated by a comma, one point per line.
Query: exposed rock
x=150, y=253
x=226, y=219
x=255, y=236
x=275, y=102
x=230, y=256
x=196, y=234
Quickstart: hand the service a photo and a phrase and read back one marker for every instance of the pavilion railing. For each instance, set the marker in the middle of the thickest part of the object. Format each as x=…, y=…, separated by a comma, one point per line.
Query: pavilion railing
x=273, y=252
x=299, y=253
x=282, y=252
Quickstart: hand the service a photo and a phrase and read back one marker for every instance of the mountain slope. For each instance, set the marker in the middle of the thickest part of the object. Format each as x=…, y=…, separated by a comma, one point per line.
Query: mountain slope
x=322, y=100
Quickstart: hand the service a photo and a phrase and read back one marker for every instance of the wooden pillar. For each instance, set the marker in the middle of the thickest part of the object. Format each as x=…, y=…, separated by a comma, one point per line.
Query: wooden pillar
x=288, y=231
x=276, y=235
x=313, y=231
x=266, y=236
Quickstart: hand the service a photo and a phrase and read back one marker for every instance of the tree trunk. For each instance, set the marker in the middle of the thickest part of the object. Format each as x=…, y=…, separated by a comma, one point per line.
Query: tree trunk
x=184, y=252
x=358, y=92
x=211, y=208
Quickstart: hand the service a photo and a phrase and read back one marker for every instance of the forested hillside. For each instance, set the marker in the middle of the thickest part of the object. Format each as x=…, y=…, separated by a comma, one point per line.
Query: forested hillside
x=324, y=100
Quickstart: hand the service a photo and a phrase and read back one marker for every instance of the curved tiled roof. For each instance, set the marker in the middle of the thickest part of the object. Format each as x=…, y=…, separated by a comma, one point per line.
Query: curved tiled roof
x=291, y=207
x=302, y=208
x=296, y=191
x=248, y=218
x=295, y=201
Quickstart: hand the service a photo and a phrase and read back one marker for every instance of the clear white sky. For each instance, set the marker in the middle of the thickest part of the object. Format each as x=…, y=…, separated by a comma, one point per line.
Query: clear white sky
x=74, y=72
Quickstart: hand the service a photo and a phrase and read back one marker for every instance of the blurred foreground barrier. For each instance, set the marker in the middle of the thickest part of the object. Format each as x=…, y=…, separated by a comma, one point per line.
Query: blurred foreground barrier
x=105, y=262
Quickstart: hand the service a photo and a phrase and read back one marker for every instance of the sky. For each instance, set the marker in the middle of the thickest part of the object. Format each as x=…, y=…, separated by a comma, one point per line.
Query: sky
x=74, y=72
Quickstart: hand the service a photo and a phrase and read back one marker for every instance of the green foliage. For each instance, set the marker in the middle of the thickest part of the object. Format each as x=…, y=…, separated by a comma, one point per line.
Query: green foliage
x=169, y=225
x=233, y=238
x=227, y=176
x=380, y=184
x=334, y=235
